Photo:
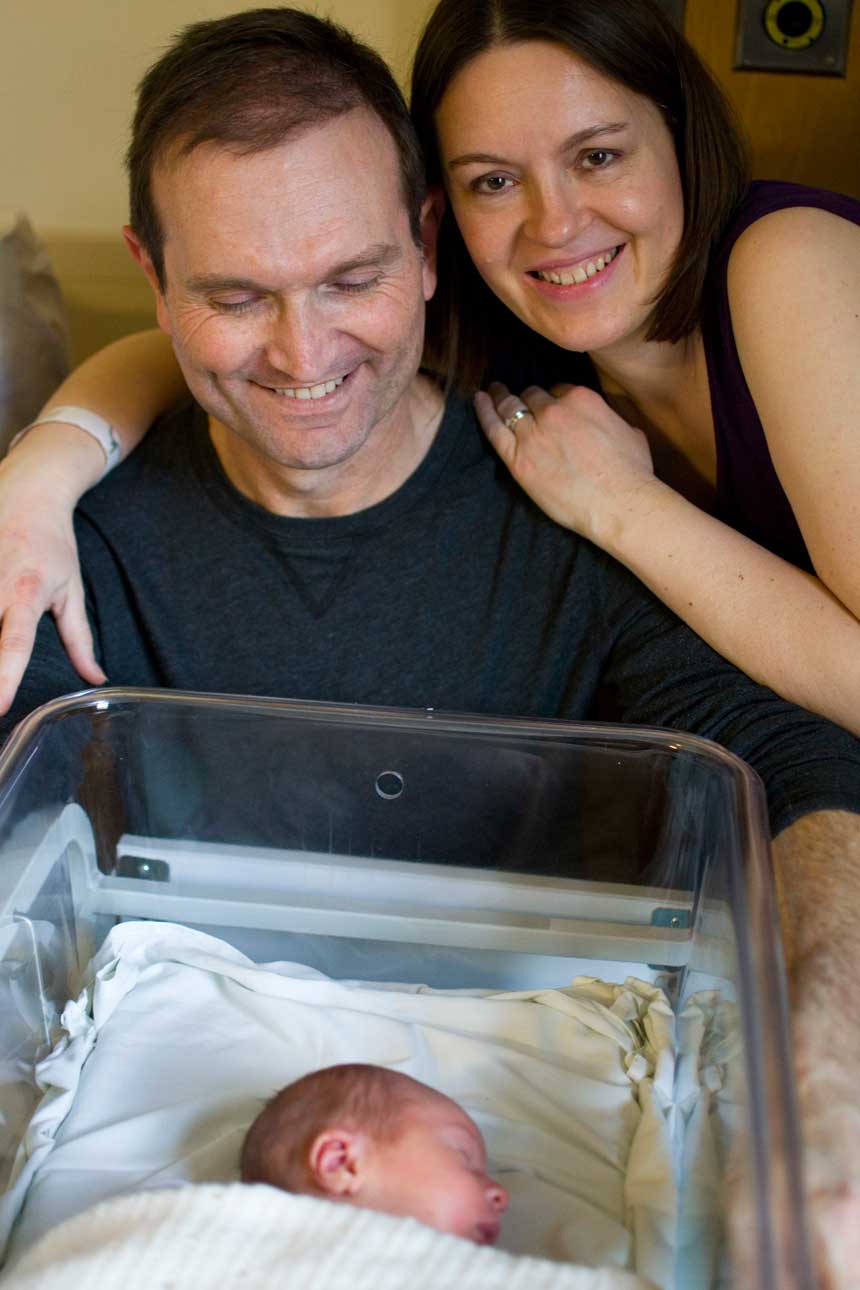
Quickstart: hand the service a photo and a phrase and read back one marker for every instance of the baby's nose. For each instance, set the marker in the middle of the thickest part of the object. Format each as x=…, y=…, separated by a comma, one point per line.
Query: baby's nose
x=497, y=1197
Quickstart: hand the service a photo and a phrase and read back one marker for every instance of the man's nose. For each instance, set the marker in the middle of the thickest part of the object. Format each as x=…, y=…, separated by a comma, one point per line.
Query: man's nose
x=555, y=214
x=296, y=343
x=497, y=1196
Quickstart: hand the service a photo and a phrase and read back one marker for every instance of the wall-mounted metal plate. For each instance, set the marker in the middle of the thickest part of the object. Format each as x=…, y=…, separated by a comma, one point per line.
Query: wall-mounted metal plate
x=793, y=36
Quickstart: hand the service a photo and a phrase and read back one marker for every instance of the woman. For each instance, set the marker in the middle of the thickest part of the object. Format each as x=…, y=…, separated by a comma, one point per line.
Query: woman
x=597, y=191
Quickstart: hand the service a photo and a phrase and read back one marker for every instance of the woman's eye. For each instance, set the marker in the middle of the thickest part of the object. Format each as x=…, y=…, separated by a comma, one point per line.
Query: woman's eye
x=598, y=159
x=490, y=184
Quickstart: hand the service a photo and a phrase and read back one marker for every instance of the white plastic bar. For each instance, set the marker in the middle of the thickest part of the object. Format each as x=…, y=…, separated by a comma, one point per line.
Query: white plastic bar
x=472, y=929
x=306, y=873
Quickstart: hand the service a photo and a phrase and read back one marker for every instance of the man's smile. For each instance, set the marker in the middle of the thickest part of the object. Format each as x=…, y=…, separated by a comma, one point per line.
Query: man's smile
x=307, y=391
x=322, y=392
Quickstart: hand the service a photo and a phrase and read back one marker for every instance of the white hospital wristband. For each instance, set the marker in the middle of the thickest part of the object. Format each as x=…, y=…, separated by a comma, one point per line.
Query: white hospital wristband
x=90, y=422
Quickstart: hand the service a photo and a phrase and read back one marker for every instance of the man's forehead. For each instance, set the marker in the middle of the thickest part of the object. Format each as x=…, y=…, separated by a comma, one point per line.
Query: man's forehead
x=328, y=200
x=329, y=144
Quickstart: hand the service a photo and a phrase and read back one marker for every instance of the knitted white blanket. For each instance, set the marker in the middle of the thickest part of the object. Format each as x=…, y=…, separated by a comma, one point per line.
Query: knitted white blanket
x=236, y=1237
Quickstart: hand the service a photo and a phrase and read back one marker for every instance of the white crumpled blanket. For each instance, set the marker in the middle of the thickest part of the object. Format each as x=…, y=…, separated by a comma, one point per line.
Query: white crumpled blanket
x=234, y=1237
x=177, y=1037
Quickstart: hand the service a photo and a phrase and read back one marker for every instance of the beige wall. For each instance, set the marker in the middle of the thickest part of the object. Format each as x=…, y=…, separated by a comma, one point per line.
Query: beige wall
x=67, y=79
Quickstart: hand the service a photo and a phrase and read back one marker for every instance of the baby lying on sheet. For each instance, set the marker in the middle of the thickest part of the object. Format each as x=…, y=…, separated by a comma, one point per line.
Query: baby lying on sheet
x=381, y=1140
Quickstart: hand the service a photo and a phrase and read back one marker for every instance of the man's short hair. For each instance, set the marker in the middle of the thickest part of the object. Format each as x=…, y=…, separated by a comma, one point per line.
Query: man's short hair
x=353, y=1096
x=251, y=81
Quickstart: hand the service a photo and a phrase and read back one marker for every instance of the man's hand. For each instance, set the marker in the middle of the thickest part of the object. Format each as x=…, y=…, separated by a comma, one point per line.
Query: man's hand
x=818, y=879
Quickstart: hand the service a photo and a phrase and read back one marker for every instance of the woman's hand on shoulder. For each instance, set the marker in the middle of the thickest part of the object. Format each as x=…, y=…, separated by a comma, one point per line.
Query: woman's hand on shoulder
x=39, y=571
x=574, y=456
x=794, y=293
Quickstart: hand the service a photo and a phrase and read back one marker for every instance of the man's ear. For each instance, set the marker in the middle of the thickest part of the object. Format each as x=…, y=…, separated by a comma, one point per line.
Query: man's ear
x=140, y=253
x=431, y=217
x=336, y=1161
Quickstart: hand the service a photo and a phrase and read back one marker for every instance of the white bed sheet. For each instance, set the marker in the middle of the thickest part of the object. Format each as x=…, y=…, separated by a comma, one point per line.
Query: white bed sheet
x=178, y=1037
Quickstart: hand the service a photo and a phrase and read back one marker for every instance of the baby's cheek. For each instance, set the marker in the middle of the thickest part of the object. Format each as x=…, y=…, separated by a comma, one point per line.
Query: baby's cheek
x=465, y=1207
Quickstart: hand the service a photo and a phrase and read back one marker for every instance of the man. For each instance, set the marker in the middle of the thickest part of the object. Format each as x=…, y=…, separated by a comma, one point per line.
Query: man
x=328, y=529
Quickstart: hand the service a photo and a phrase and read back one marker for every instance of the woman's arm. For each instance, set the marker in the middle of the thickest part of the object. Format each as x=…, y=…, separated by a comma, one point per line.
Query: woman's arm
x=794, y=292
x=779, y=624
x=129, y=383
x=795, y=298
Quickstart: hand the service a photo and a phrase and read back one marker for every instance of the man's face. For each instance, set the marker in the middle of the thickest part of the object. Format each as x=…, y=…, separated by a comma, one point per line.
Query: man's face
x=295, y=294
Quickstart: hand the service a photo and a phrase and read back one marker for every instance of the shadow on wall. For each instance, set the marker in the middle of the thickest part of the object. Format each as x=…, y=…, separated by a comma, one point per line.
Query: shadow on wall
x=34, y=342
x=105, y=294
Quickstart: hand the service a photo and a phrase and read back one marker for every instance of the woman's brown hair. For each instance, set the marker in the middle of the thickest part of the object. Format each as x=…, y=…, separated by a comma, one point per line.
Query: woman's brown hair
x=471, y=335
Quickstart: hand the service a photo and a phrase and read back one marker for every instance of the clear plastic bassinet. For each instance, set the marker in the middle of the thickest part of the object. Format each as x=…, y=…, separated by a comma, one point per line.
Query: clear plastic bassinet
x=458, y=851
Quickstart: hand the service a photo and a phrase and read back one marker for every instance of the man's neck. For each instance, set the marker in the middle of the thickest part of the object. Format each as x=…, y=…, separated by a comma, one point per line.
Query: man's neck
x=390, y=455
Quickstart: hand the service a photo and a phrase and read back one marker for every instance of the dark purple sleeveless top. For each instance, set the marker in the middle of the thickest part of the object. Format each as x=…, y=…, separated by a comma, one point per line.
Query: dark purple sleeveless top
x=749, y=494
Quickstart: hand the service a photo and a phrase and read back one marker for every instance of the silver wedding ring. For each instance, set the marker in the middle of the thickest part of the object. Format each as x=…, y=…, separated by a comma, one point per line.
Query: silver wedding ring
x=512, y=420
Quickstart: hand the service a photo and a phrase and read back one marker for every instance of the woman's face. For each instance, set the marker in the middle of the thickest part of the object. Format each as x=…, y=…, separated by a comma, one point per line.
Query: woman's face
x=566, y=189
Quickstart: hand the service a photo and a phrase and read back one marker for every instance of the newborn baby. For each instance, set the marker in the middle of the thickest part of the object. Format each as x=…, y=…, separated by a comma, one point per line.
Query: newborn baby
x=378, y=1139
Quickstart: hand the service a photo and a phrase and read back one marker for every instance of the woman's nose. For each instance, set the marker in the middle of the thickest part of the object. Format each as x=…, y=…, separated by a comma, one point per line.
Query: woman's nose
x=554, y=215
x=498, y=1197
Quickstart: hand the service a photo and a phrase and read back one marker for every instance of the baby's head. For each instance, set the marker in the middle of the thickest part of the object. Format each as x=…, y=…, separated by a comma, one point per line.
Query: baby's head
x=381, y=1140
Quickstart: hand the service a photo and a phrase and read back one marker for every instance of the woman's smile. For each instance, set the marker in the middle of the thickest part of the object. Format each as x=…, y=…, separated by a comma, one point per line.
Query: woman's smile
x=590, y=272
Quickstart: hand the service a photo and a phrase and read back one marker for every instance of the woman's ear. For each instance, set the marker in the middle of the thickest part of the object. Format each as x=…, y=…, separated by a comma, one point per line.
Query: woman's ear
x=431, y=217
x=336, y=1162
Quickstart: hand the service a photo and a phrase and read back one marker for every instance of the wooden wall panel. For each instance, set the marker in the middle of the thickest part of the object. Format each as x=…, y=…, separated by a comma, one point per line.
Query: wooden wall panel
x=803, y=128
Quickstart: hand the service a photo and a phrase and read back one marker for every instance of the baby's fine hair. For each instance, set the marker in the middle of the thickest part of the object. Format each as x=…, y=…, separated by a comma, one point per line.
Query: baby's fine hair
x=352, y=1096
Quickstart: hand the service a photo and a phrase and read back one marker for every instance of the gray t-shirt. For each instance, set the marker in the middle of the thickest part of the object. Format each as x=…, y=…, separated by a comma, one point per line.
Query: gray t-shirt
x=456, y=593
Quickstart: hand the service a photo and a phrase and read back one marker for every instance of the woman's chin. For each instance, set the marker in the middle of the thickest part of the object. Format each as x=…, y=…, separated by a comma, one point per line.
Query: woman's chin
x=570, y=325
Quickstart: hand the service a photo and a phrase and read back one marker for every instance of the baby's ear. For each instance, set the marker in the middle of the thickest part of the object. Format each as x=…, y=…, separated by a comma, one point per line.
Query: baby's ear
x=336, y=1160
